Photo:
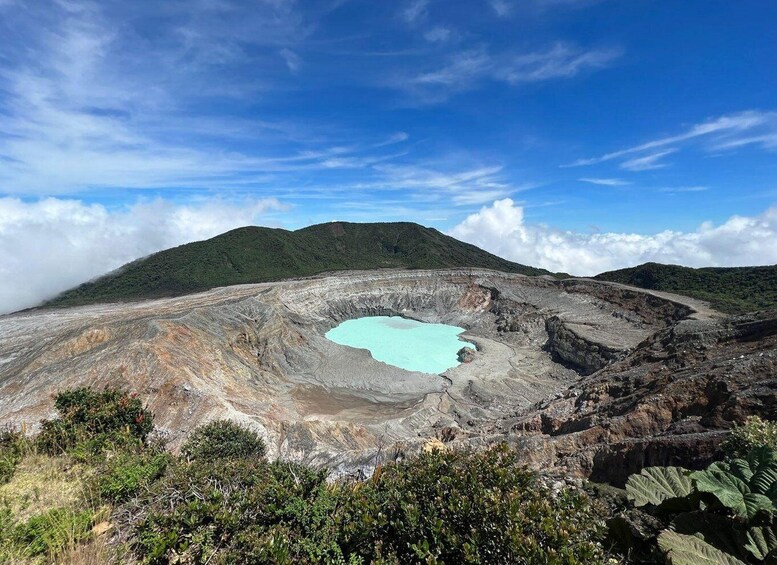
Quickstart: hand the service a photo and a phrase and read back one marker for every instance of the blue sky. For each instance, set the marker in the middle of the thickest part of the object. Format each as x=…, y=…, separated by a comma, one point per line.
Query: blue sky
x=520, y=125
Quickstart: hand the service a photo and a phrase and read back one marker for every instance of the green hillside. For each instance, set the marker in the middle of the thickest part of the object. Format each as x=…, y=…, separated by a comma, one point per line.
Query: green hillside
x=255, y=254
x=733, y=290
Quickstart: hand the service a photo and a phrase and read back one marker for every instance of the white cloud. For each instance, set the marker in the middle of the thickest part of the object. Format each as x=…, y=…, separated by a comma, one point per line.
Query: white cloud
x=502, y=8
x=291, y=59
x=53, y=244
x=560, y=61
x=438, y=34
x=449, y=181
x=647, y=162
x=416, y=11
x=83, y=109
x=466, y=69
x=677, y=189
x=462, y=69
x=501, y=229
x=726, y=132
x=605, y=182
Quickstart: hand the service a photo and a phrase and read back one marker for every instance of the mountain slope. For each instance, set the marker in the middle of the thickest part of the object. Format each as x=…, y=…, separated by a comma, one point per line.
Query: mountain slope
x=734, y=290
x=256, y=254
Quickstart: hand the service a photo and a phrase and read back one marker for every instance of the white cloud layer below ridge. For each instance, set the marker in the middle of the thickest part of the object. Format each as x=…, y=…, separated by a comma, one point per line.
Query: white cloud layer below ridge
x=501, y=229
x=53, y=244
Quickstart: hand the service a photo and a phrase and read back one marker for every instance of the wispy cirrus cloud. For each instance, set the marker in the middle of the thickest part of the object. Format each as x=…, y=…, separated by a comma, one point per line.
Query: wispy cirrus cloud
x=506, y=8
x=451, y=182
x=467, y=69
x=730, y=131
x=438, y=34
x=415, y=11
x=560, y=61
x=681, y=189
x=647, y=162
x=605, y=182
x=502, y=8
x=292, y=60
x=82, y=108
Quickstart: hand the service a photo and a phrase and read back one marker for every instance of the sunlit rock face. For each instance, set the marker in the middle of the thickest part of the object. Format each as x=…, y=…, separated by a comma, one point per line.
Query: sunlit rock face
x=258, y=354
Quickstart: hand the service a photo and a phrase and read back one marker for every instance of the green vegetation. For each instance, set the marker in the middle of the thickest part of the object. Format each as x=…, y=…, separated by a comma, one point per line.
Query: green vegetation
x=95, y=487
x=223, y=502
x=755, y=432
x=56, y=486
x=223, y=440
x=128, y=472
x=721, y=515
x=12, y=448
x=440, y=507
x=49, y=533
x=733, y=290
x=90, y=421
x=254, y=254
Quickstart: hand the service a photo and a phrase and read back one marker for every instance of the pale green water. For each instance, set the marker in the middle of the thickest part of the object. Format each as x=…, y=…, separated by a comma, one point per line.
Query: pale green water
x=407, y=344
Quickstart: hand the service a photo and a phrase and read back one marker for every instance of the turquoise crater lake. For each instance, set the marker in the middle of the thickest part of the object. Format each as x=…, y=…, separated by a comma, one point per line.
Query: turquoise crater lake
x=407, y=344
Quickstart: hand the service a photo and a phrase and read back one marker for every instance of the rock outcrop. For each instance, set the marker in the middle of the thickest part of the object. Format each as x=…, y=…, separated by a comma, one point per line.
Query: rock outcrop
x=669, y=402
x=465, y=355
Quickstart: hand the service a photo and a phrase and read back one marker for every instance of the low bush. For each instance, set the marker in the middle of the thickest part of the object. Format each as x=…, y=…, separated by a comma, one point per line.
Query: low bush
x=13, y=445
x=89, y=421
x=458, y=507
x=200, y=506
x=223, y=439
x=755, y=432
x=222, y=502
x=433, y=508
x=126, y=473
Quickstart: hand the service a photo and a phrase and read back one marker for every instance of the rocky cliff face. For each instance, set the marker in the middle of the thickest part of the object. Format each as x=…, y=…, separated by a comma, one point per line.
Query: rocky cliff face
x=586, y=354
x=669, y=402
x=563, y=367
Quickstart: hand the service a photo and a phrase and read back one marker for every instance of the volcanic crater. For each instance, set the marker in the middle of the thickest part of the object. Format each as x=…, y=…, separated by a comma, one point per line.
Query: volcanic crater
x=257, y=354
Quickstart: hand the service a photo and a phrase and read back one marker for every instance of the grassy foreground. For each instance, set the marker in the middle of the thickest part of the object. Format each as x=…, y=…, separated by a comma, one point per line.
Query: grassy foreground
x=95, y=487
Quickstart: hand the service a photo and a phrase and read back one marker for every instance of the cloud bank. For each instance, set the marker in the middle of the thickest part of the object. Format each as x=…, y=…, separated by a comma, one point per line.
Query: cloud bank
x=53, y=244
x=501, y=229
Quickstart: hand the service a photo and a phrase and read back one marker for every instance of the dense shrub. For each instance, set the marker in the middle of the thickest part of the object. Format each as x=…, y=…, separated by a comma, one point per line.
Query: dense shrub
x=755, y=432
x=457, y=507
x=197, y=507
x=733, y=290
x=223, y=439
x=126, y=473
x=13, y=444
x=434, y=508
x=93, y=420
